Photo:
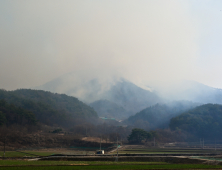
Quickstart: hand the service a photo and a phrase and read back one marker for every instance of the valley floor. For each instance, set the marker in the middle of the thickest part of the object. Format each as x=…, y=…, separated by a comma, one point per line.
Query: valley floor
x=139, y=157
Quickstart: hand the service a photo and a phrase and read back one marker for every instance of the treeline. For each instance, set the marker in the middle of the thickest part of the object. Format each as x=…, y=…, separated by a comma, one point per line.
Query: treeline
x=203, y=122
x=49, y=108
x=137, y=135
x=159, y=115
x=185, y=122
x=106, y=108
x=179, y=121
x=10, y=115
x=104, y=130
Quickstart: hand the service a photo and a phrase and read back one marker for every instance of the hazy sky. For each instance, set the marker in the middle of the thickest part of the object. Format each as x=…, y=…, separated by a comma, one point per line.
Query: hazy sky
x=141, y=40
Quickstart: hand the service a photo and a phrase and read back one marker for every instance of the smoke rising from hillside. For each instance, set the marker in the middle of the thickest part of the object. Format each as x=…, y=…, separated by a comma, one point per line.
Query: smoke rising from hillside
x=143, y=41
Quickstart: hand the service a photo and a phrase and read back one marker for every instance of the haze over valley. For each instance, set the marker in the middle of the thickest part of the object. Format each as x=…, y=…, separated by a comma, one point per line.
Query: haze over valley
x=73, y=72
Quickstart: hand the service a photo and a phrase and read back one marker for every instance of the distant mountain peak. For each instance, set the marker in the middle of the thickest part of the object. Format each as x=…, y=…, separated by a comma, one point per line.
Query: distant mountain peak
x=114, y=89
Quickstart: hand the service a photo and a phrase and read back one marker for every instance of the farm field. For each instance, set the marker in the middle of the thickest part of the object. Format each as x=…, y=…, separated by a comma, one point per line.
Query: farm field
x=105, y=165
x=165, y=151
x=125, y=149
x=25, y=153
x=23, y=159
x=27, y=162
x=34, y=153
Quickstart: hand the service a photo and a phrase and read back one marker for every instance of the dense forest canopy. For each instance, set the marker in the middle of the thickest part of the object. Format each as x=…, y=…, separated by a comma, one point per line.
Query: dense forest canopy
x=50, y=108
x=106, y=108
x=27, y=107
x=203, y=121
x=119, y=99
x=10, y=114
x=137, y=135
x=159, y=115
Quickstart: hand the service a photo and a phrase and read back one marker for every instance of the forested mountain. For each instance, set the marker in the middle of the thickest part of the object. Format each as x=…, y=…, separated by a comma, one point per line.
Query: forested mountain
x=203, y=121
x=159, y=115
x=120, y=91
x=131, y=97
x=50, y=108
x=10, y=114
x=108, y=109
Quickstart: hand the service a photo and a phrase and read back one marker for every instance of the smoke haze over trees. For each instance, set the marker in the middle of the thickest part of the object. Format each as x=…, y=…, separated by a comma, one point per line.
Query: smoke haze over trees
x=159, y=115
x=203, y=121
x=119, y=92
x=112, y=59
x=49, y=108
x=142, y=41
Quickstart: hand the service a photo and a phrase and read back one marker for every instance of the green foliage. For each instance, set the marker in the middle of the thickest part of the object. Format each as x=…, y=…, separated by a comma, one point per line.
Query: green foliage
x=10, y=114
x=49, y=108
x=60, y=162
x=3, y=119
x=106, y=108
x=105, y=165
x=159, y=115
x=137, y=135
x=57, y=131
x=204, y=121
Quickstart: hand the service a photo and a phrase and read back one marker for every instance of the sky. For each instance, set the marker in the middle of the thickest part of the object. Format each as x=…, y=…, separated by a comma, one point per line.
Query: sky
x=143, y=41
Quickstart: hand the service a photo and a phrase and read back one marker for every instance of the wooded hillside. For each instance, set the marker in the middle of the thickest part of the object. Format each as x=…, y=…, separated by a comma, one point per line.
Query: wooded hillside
x=10, y=114
x=50, y=108
x=204, y=121
x=159, y=115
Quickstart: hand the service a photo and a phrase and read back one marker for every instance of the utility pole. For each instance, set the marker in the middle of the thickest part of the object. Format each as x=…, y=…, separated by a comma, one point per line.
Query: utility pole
x=100, y=143
x=117, y=150
x=200, y=143
x=154, y=142
x=203, y=143
x=215, y=145
x=4, y=146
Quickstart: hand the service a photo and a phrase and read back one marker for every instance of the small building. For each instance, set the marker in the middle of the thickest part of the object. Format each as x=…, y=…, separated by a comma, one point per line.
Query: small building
x=100, y=152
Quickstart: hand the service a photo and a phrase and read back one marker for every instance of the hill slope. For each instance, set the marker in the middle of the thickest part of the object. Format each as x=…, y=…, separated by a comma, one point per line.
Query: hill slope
x=50, y=108
x=10, y=114
x=204, y=121
x=131, y=97
x=108, y=109
x=120, y=91
x=159, y=115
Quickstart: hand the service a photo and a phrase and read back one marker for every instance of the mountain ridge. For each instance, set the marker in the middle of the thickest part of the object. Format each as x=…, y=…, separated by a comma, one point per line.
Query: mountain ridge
x=50, y=108
x=159, y=115
x=120, y=91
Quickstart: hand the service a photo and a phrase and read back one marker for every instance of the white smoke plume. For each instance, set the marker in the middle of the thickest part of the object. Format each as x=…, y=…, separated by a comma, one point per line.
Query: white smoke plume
x=143, y=41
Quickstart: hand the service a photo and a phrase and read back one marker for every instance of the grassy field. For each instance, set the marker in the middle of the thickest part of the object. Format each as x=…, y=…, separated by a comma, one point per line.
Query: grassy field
x=164, y=151
x=26, y=153
x=43, y=153
x=26, y=162
x=34, y=153
x=116, y=166
x=123, y=150
x=68, y=165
